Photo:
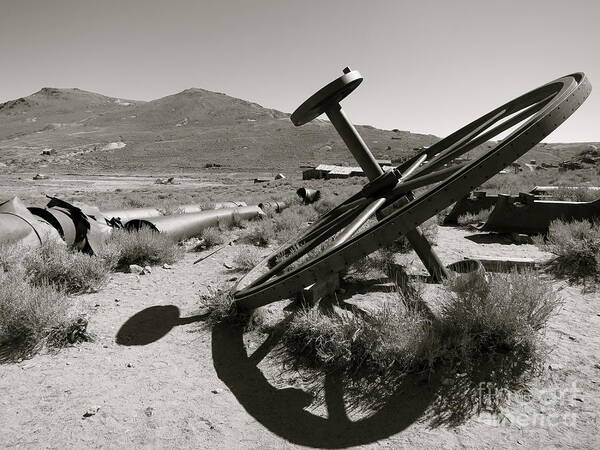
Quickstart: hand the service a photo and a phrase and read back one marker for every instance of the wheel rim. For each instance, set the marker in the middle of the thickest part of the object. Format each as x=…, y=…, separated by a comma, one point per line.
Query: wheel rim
x=548, y=106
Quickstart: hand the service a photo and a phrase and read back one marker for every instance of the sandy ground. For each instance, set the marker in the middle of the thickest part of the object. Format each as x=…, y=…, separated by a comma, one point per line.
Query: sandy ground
x=154, y=377
x=22, y=185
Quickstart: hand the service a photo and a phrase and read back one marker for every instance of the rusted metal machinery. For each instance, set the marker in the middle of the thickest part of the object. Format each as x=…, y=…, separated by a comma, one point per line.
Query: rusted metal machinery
x=308, y=195
x=19, y=225
x=525, y=214
x=471, y=204
x=389, y=196
x=81, y=226
x=184, y=226
x=273, y=206
x=125, y=215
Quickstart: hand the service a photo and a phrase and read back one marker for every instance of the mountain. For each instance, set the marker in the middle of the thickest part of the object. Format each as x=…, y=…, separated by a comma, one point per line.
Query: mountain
x=84, y=131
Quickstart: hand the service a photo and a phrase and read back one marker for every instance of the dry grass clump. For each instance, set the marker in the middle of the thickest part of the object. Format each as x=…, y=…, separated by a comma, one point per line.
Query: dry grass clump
x=487, y=331
x=390, y=338
x=575, y=194
x=470, y=218
x=500, y=314
x=30, y=315
x=576, y=246
x=68, y=271
x=246, y=259
x=34, y=308
x=142, y=247
x=279, y=227
x=211, y=237
x=261, y=233
x=220, y=309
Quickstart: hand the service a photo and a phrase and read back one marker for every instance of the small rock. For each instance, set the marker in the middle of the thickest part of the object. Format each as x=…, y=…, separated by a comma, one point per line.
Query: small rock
x=134, y=268
x=117, y=300
x=147, y=269
x=149, y=411
x=578, y=399
x=97, y=305
x=129, y=365
x=217, y=391
x=572, y=338
x=227, y=266
x=167, y=266
x=232, y=279
x=90, y=412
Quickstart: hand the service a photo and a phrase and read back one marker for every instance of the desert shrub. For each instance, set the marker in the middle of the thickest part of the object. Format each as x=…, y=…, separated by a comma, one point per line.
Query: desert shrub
x=279, y=227
x=575, y=194
x=488, y=330
x=246, y=259
x=68, y=271
x=261, y=233
x=143, y=247
x=389, y=338
x=211, y=237
x=220, y=309
x=500, y=314
x=290, y=221
x=30, y=315
x=470, y=218
x=576, y=246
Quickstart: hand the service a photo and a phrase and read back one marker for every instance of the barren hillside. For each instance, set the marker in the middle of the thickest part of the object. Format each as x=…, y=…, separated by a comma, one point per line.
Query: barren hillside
x=87, y=132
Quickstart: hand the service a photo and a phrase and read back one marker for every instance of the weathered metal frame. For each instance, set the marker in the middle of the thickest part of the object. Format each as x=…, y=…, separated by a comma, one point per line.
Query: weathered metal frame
x=544, y=109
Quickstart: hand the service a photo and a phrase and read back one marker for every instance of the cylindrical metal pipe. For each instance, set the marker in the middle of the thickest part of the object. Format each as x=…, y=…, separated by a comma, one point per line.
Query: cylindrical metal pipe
x=354, y=141
x=125, y=215
x=184, y=226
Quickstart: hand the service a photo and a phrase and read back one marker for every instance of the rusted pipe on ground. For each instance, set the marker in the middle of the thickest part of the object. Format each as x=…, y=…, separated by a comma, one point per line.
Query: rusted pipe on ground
x=308, y=195
x=185, y=226
x=232, y=204
x=85, y=232
x=276, y=207
x=19, y=226
x=125, y=215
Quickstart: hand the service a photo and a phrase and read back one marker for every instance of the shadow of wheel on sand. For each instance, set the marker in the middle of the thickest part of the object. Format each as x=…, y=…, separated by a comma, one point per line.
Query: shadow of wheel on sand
x=282, y=411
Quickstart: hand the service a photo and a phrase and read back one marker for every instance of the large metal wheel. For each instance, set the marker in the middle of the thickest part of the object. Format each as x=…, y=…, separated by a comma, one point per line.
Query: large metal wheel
x=533, y=116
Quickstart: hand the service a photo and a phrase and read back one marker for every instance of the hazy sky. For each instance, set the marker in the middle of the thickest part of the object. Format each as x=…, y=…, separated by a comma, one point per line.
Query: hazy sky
x=429, y=66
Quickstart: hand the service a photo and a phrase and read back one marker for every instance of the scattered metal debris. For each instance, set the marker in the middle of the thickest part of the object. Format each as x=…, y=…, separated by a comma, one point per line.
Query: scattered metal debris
x=308, y=195
x=82, y=226
x=125, y=215
x=525, y=214
x=19, y=225
x=233, y=204
x=184, y=226
x=276, y=207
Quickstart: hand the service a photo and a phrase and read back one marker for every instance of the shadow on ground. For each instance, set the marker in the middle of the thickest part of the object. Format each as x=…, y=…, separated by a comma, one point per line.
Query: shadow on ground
x=152, y=324
x=282, y=411
x=446, y=397
x=500, y=238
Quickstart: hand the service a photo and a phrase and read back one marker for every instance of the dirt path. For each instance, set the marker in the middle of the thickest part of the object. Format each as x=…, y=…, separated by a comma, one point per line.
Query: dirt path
x=153, y=379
